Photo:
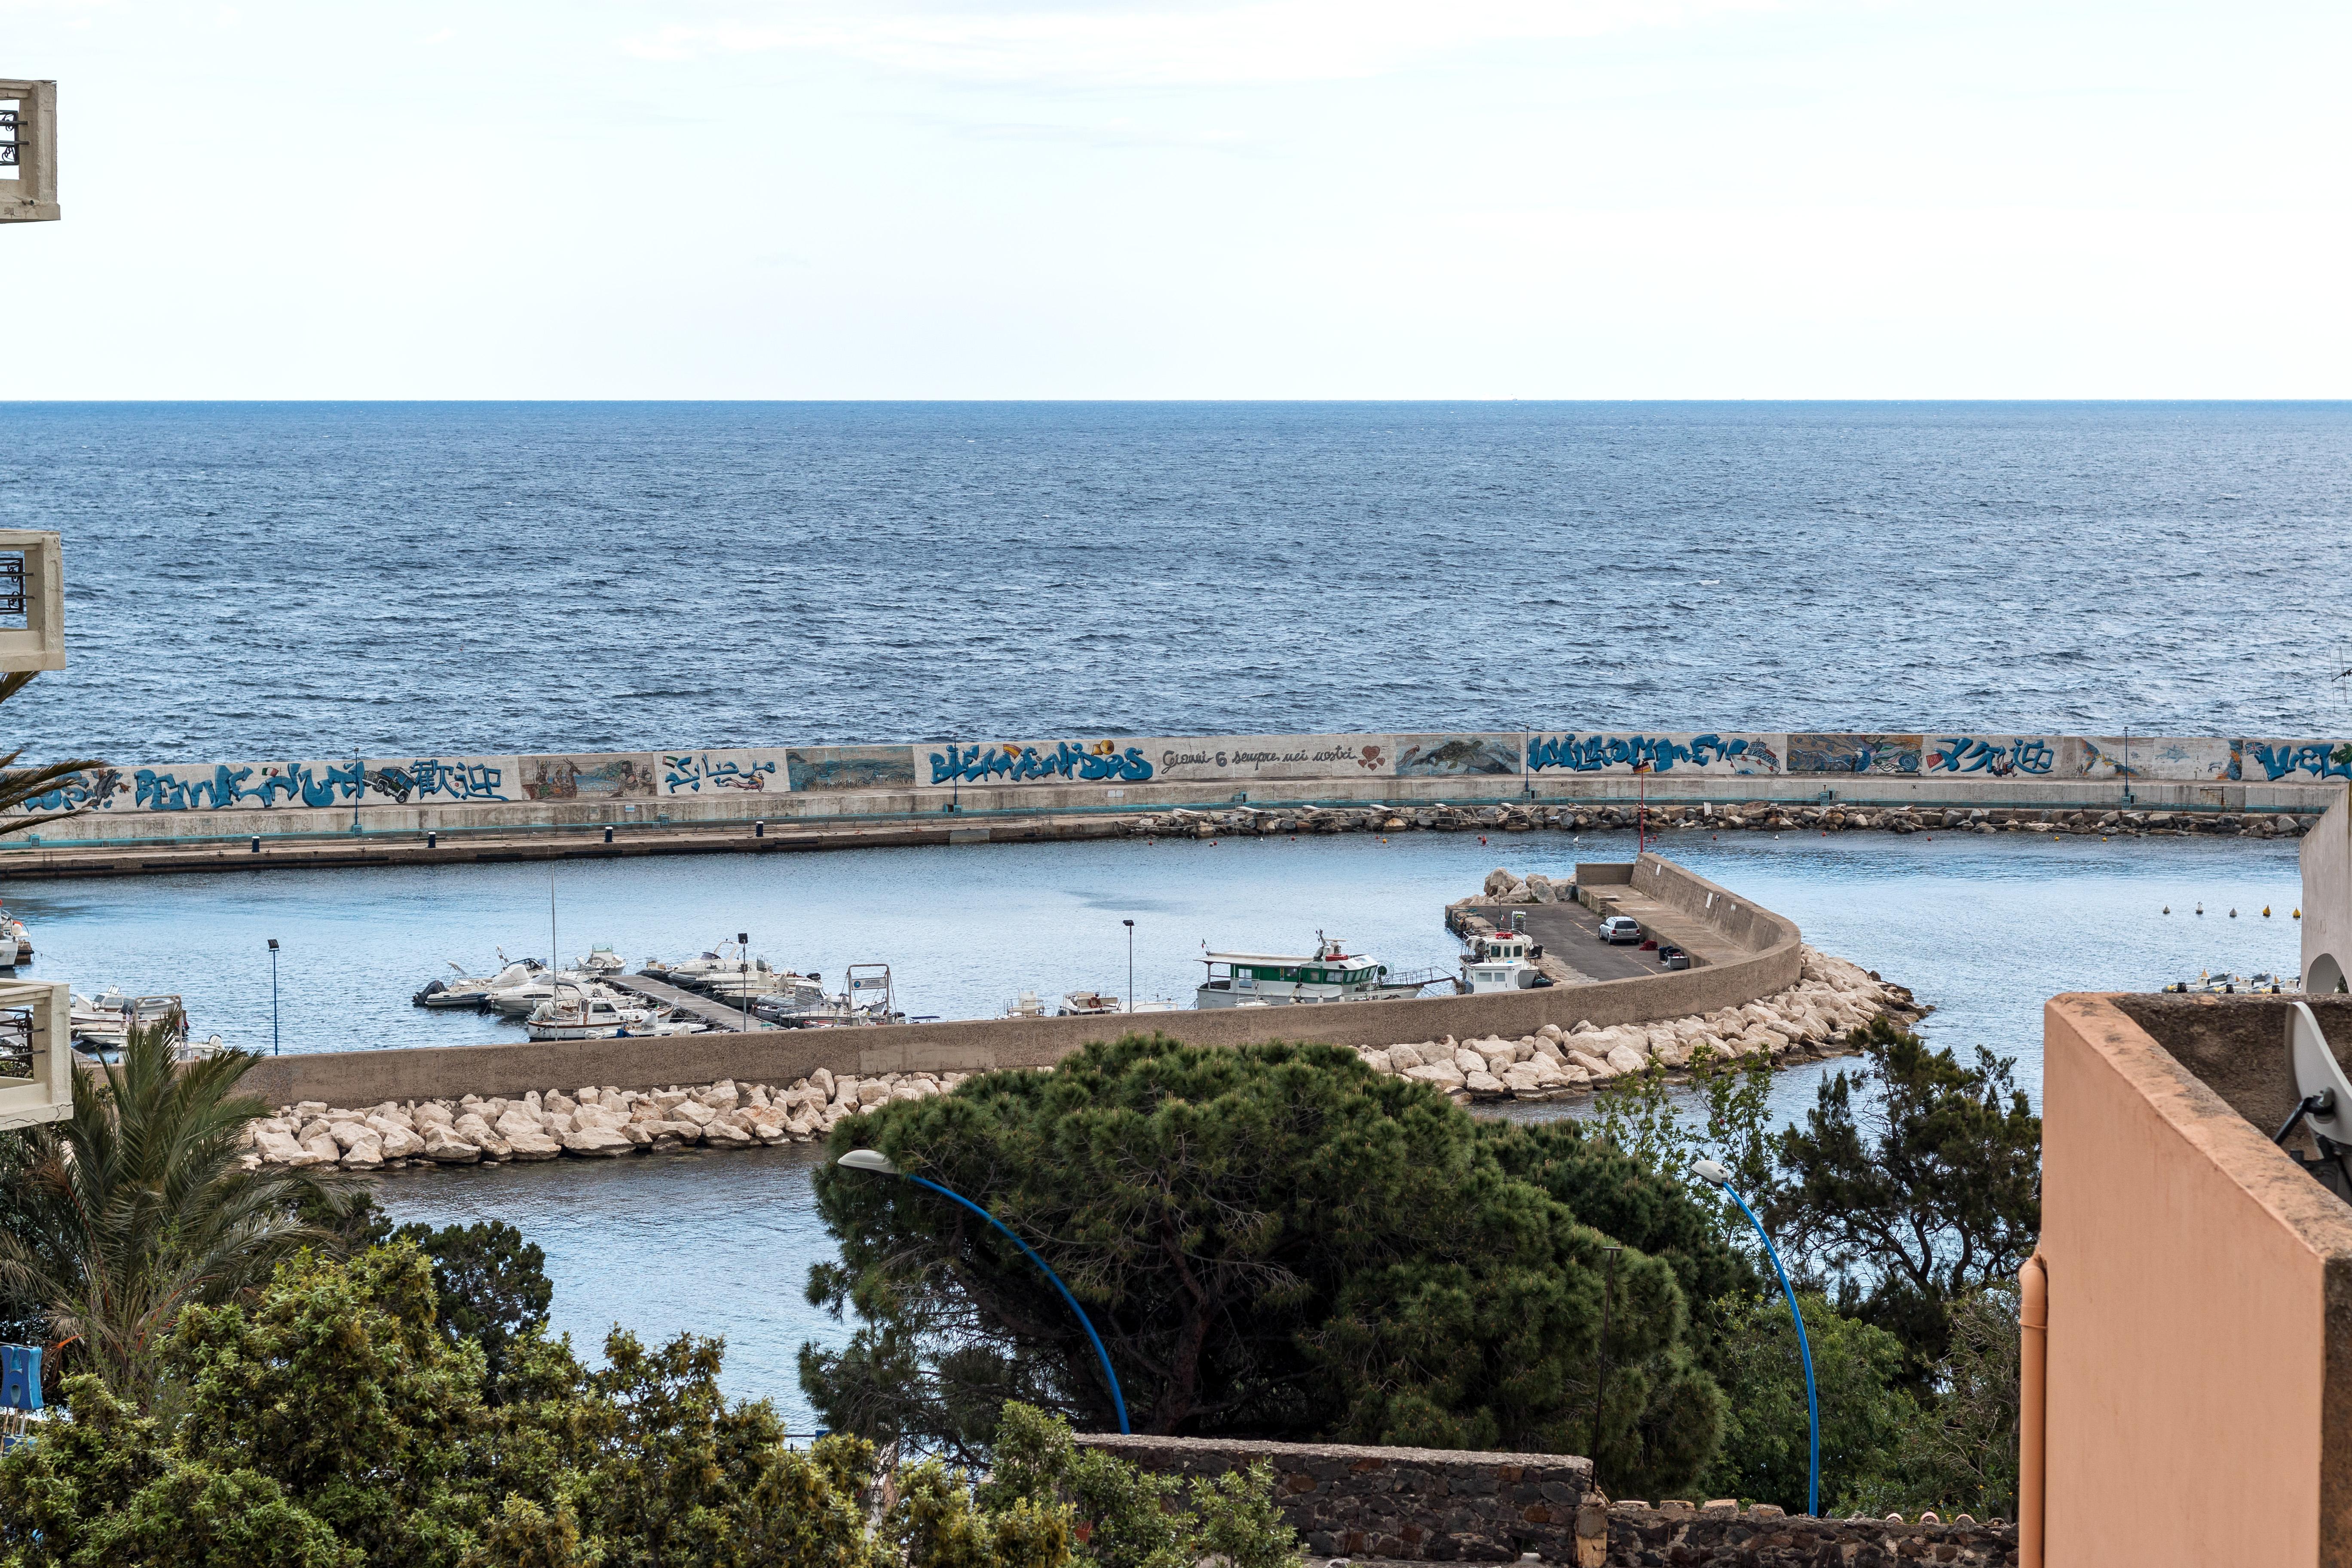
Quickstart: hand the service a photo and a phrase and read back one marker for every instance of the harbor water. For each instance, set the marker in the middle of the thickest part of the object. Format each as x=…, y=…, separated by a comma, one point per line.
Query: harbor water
x=1983, y=929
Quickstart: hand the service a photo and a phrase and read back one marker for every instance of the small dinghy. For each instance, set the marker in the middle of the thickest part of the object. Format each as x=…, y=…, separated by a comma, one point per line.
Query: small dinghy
x=578, y=1012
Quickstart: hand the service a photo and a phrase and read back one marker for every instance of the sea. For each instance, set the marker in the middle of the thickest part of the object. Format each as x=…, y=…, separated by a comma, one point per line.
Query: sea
x=315, y=579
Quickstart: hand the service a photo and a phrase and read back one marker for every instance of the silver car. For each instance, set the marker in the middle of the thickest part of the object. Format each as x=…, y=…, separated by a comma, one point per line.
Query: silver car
x=1620, y=928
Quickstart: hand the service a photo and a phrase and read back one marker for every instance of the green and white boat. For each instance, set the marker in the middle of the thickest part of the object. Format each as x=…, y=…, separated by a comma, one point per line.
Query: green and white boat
x=1330, y=973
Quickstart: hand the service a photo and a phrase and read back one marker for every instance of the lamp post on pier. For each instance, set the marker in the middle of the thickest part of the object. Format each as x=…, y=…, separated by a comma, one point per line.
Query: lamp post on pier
x=1130, y=966
x=273, y=995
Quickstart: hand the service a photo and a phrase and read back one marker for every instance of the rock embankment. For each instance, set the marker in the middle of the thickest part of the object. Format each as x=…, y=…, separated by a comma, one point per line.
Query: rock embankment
x=588, y=1122
x=1753, y=817
x=1833, y=1002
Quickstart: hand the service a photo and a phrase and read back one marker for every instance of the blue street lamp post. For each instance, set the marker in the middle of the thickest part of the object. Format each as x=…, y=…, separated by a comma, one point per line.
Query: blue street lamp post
x=1714, y=1176
x=876, y=1160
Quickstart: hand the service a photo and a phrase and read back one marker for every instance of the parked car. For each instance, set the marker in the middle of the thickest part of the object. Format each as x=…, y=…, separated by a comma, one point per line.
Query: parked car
x=1620, y=929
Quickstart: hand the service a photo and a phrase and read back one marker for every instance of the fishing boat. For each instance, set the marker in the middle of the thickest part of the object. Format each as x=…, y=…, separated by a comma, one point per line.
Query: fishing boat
x=1330, y=973
x=474, y=991
x=1502, y=962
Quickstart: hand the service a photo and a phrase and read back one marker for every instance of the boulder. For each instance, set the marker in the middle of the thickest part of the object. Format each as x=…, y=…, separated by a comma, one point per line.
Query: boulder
x=1443, y=1075
x=724, y=1134
x=427, y=1114
x=1626, y=1059
x=1599, y=1071
x=349, y=1135
x=441, y=1147
x=1495, y=1060
x=871, y=1091
x=281, y=1149
x=364, y=1156
x=1404, y=1058
x=721, y=1096
x=1523, y=1081
x=594, y=1140
x=694, y=1112
x=1499, y=882
x=1379, y=1061
x=1484, y=1085
x=822, y=1081
x=520, y=1121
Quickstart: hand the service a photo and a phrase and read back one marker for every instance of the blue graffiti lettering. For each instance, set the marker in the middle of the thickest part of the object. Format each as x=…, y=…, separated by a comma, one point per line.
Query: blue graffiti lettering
x=1658, y=753
x=2318, y=760
x=691, y=772
x=1970, y=754
x=1020, y=764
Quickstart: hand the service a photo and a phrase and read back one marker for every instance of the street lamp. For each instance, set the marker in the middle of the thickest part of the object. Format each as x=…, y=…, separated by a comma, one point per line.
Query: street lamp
x=744, y=946
x=1130, y=966
x=878, y=1163
x=1714, y=1176
x=273, y=995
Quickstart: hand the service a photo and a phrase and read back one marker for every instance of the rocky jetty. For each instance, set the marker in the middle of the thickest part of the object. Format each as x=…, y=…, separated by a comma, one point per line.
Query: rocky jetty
x=1753, y=816
x=588, y=1122
x=1831, y=1003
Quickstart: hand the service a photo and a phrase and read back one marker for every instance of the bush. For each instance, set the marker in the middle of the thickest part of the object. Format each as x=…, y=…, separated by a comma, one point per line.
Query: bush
x=1857, y=1371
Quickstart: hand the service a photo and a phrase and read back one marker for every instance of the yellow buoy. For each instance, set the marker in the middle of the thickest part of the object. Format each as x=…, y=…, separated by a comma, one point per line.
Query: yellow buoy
x=2266, y=911
x=2298, y=914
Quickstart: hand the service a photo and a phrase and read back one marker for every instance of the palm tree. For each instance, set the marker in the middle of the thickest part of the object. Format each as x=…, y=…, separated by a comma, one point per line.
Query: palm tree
x=18, y=786
x=138, y=1205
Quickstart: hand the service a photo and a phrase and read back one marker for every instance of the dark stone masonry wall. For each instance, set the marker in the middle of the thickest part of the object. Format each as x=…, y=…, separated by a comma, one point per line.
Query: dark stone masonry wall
x=1417, y=1504
x=1430, y=1505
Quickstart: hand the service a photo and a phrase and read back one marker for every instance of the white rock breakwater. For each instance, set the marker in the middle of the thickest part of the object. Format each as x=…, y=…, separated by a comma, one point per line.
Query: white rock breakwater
x=589, y=1122
x=1757, y=816
x=1832, y=1002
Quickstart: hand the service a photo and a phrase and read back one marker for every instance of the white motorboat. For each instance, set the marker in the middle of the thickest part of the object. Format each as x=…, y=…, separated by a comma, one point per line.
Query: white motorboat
x=1503, y=961
x=695, y=974
x=602, y=960
x=870, y=999
x=796, y=999
x=13, y=929
x=1026, y=1005
x=579, y=1012
x=749, y=985
x=104, y=1022
x=470, y=991
x=517, y=1001
x=1330, y=973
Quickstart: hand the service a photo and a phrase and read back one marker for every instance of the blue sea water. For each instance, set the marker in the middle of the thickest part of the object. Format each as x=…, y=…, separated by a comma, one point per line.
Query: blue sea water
x=306, y=579
x=310, y=579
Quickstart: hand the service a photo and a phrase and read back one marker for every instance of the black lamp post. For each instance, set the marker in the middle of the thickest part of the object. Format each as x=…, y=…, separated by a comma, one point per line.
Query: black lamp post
x=1130, y=966
x=273, y=995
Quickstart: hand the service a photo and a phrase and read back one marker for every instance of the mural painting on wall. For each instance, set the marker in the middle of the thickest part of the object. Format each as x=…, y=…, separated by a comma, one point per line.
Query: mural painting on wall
x=1740, y=754
x=1456, y=756
x=1272, y=757
x=690, y=773
x=628, y=776
x=1097, y=762
x=1855, y=754
x=850, y=767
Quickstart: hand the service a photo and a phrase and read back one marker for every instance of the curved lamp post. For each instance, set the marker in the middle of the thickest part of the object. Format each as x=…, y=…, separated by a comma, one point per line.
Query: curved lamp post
x=1714, y=1176
x=878, y=1163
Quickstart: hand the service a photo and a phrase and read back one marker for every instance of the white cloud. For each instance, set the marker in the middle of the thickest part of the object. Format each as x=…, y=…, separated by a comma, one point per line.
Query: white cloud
x=1263, y=41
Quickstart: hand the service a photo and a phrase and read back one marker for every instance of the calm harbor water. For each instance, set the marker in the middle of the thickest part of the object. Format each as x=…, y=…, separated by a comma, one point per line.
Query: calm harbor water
x=310, y=579
x=1983, y=929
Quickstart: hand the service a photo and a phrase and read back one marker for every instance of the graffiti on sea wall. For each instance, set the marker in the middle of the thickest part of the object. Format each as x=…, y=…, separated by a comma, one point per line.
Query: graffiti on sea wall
x=721, y=772
x=1746, y=755
x=850, y=767
x=629, y=777
x=1041, y=761
x=385, y=782
x=1246, y=757
x=1854, y=754
x=1456, y=756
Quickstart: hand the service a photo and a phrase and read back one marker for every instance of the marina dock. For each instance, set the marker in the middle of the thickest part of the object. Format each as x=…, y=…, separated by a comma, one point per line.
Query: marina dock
x=718, y=1015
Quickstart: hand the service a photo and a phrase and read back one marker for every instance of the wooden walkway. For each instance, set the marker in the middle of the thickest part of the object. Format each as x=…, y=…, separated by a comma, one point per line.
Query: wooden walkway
x=717, y=1014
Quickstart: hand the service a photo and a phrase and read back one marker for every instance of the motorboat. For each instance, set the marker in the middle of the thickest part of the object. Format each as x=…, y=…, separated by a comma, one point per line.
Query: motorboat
x=1330, y=973
x=1502, y=962
x=695, y=974
x=1089, y=1004
x=578, y=1012
x=870, y=998
x=13, y=929
x=602, y=960
x=104, y=1022
x=794, y=999
x=468, y=990
x=758, y=981
x=1026, y=1005
x=517, y=1001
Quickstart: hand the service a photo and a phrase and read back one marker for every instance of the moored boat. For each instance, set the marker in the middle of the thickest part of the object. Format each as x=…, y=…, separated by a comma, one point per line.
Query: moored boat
x=1330, y=973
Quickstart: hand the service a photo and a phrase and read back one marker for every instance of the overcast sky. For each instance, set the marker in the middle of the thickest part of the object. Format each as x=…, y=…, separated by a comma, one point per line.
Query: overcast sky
x=1242, y=198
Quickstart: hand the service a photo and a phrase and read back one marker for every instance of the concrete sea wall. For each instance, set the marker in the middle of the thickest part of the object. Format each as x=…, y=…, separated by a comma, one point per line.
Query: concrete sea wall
x=1768, y=959
x=648, y=790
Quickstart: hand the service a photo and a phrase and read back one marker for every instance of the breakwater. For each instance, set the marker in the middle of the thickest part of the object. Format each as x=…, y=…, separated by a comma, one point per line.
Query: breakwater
x=393, y=811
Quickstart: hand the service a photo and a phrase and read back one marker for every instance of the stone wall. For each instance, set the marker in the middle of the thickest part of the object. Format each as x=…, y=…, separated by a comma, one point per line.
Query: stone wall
x=1723, y=1535
x=1772, y=963
x=1409, y=1504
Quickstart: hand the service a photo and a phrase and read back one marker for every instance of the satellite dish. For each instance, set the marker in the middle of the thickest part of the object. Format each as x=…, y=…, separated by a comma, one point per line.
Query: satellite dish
x=2323, y=1103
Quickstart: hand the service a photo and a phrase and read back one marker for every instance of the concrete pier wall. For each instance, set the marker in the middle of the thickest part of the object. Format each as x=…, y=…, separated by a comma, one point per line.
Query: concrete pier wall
x=1768, y=961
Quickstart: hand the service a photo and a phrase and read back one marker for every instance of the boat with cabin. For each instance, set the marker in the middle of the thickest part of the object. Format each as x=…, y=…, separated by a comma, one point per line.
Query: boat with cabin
x=1330, y=973
x=1504, y=960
